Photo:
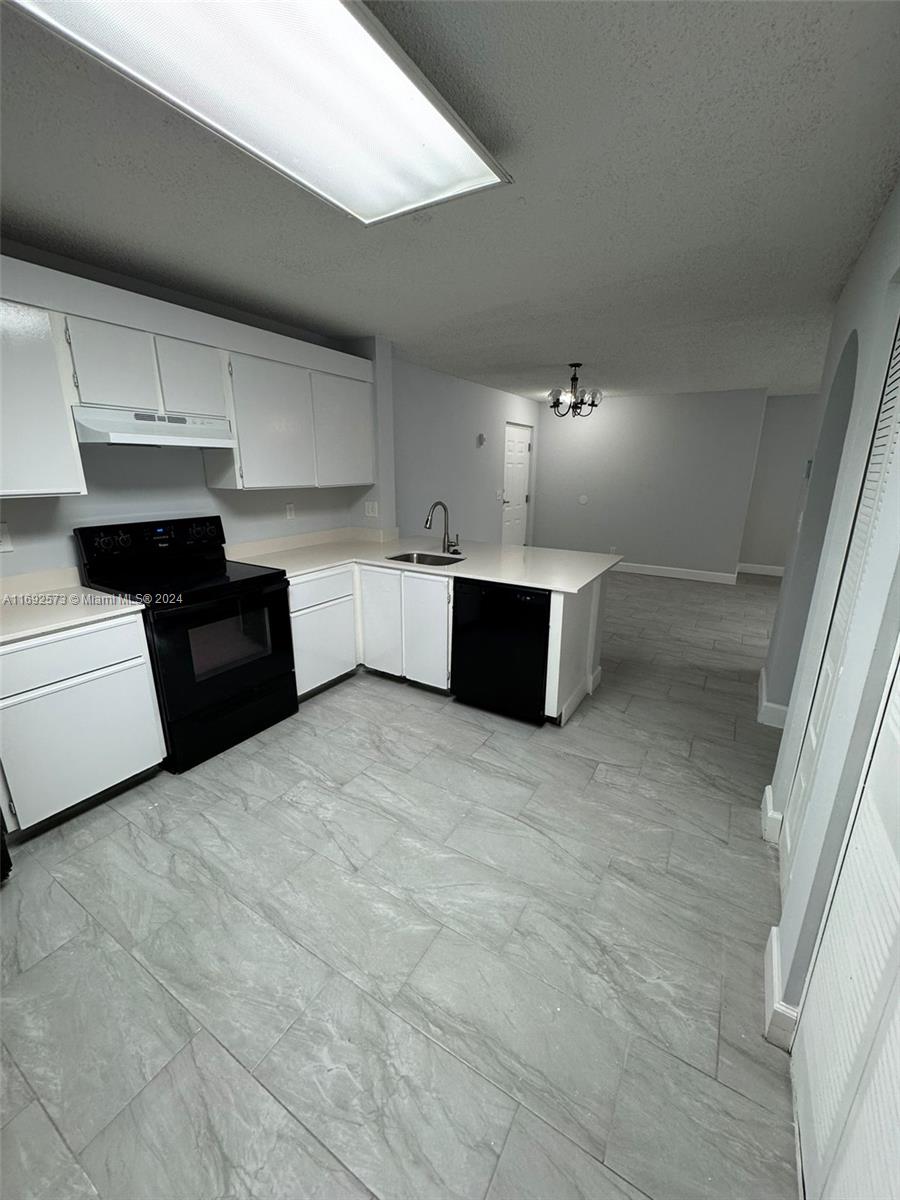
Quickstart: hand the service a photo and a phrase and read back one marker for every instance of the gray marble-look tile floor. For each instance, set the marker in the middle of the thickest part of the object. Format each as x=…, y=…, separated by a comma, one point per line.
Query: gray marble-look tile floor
x=397, y=947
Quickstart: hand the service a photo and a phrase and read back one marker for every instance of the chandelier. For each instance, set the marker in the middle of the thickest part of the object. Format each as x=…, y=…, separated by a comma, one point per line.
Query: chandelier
x=577, y=401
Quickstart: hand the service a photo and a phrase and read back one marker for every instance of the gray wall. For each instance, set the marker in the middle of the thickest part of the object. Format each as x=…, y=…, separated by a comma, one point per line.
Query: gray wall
x=437, y=420
x=786, y=445
x=667, y=478
x=138, y=482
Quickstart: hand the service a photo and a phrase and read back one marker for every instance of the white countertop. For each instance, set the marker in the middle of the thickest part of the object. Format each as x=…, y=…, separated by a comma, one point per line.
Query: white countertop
x=523, y=566
x=28, y=614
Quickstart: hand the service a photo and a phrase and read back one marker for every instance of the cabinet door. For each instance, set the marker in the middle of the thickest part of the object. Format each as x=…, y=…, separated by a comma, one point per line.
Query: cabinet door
x=39, y=453
x=324, y=643
x=345, y=433
x=426, y=629
x=103, y=727
x=191, y=377
x=382, y=621
x=115, y=366
x=273, y=413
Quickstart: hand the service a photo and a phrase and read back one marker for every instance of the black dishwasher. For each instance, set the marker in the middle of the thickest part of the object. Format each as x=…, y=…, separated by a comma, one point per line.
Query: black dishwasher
x=499, y=658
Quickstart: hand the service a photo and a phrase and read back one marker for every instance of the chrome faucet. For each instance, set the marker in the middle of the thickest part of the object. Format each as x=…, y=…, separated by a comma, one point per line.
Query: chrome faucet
x=448, y=545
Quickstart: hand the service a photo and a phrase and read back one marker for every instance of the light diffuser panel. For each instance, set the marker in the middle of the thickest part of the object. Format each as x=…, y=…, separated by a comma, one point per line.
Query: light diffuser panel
x=302, y=85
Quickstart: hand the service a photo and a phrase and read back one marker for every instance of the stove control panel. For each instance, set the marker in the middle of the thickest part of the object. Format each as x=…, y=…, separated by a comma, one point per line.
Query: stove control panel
x=150, y=541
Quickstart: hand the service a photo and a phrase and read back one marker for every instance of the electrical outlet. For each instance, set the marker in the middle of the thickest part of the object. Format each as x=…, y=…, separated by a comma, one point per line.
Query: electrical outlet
x=614, y=549
x=289, y=512
x=371, y=508
x=5, y=539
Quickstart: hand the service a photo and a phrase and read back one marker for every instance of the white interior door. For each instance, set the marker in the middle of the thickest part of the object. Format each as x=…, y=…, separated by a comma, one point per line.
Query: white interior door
x=516, y=476
x=847, y=1051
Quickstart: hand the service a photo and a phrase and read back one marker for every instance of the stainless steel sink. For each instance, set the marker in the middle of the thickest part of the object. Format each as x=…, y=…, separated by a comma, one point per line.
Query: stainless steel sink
x=428, y=560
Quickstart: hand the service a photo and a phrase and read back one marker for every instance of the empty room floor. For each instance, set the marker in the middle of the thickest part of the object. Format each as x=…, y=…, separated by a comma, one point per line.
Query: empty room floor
x=395, y=946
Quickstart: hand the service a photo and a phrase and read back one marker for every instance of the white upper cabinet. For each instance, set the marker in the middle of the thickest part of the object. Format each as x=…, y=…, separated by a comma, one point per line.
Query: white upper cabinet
x=191, y=377
x=114, y=366
x=273, y=416
x=345, y=434
x=38, y=449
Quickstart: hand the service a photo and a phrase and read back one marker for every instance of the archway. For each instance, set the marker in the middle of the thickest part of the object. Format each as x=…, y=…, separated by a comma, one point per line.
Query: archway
x=815, y=507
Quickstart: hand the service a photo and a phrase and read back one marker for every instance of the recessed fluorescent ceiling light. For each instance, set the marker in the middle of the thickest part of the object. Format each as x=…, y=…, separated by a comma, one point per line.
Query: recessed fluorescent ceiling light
x=303, y=85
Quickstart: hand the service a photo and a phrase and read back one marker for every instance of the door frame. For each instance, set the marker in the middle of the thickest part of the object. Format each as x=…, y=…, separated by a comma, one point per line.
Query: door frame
x=529, y=515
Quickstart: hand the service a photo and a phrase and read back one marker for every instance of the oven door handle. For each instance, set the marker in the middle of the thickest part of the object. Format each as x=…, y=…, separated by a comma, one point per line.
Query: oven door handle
x=190, y=610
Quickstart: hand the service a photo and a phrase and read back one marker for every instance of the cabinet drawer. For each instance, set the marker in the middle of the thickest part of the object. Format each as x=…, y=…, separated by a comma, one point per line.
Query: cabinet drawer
x=102, y=730
x=324, y=643
x=27, y=665
x=317, y=589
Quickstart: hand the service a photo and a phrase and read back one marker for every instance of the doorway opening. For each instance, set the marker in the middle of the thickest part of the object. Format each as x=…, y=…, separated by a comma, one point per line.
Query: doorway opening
x=516, y=483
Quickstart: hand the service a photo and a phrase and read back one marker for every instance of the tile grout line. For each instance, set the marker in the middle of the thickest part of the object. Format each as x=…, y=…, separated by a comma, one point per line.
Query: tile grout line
x=490, y=1182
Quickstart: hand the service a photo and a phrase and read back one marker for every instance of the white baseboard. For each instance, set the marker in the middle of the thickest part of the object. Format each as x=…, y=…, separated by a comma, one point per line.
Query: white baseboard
x=767, y=711
x=572, y=702
x=771, y=820
x=781, y=1018
x=677, y=572
x=758, y=569
x=595, y=680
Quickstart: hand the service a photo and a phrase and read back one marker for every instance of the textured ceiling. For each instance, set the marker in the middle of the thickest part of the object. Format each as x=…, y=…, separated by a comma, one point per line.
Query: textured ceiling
x=692, y=183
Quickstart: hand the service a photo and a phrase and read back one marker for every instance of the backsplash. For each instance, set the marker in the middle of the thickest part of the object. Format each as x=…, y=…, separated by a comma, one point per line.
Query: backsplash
x=133, y=483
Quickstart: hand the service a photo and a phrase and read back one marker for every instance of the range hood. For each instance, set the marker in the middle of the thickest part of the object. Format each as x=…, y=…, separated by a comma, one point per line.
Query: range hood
x=127, y=427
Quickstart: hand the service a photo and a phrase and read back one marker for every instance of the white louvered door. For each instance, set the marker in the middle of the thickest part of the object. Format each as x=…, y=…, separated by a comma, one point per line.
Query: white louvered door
x=875, y=505
x=847, y=1051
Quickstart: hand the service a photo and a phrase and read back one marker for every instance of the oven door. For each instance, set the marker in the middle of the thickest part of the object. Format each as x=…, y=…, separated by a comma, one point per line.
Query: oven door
x=207, y=654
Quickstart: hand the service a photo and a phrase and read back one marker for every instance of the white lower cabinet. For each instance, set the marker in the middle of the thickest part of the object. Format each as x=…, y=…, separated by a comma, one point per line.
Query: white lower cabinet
x=404, y=619
x=324, y=643
x=66, y=742
x=426, y=629
x=382, y=619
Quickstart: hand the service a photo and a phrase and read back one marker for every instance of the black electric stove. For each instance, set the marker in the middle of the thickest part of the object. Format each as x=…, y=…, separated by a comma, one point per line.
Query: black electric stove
x=219, y=631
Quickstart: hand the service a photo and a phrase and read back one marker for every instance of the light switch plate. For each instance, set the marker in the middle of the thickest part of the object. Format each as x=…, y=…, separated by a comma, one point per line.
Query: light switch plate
x=289, y=512
x=5, y=539
x=371, y=508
